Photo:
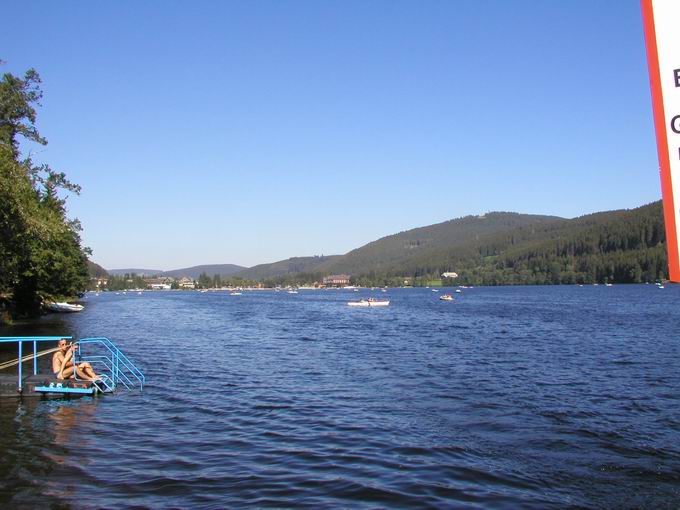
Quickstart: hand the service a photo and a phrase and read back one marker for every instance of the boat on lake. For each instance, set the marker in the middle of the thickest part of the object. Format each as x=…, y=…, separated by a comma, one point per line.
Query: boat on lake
x=370, y=302
x=446, y=297
x=235, y=293
x=64, y=307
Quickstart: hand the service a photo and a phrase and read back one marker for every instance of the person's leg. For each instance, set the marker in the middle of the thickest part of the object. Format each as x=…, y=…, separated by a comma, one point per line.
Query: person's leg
x=87, y=369
x=67, y=373
x=81, y=374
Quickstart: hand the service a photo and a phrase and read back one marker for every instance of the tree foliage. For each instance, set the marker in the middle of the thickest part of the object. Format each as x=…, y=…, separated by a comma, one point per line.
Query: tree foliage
x=618, y=246
x=41, y=257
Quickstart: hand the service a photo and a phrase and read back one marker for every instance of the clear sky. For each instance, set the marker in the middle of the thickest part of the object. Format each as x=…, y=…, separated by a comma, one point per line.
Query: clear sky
x=253, y=131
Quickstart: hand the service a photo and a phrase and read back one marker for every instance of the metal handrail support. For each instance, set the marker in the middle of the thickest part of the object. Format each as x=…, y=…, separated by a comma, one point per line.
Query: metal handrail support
x=121, y=368
x=118, y=356
x=106, y=362
x=35, y=339
x=121, y=355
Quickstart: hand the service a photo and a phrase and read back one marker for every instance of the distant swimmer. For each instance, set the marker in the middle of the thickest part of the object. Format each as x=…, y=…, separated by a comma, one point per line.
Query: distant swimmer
x=63, y=367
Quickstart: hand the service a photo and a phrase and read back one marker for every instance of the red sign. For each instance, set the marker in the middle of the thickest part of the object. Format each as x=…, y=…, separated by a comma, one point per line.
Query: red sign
x=661, y=18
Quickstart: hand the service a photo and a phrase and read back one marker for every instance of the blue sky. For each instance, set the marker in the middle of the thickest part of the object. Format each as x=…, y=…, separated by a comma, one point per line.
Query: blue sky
x=249, y=132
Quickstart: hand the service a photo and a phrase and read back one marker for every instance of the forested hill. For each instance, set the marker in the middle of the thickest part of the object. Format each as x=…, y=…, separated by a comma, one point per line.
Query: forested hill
x=395, y=251
x=292, y=266
x=224, y=270
x=615, y=246
x=210, y=269
x=501, y=248
x=95, y=270
x=493, y=249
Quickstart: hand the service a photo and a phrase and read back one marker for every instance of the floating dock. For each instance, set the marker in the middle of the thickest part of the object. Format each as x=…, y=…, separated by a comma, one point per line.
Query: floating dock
x=113, y=367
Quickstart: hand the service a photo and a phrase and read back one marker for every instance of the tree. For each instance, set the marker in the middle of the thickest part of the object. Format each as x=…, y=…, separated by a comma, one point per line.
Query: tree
x=217, y=281
x=204, y=281
x=41, y=257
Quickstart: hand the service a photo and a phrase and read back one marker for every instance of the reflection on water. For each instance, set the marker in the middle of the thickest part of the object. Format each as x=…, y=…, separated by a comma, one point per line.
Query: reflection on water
x=66, y=418
x=40, y=441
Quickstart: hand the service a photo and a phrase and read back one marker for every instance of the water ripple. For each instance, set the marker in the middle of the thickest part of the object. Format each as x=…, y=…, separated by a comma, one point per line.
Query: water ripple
x=551, y=397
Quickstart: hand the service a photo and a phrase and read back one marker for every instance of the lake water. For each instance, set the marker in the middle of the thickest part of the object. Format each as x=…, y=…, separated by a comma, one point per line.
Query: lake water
x=532, y=397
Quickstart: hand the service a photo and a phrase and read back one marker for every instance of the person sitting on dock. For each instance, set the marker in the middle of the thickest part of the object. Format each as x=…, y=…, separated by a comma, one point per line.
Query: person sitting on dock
x=64, y=368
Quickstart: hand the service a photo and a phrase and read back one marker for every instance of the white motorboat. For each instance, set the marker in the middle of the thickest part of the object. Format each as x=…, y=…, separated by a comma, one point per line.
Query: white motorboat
x=458, y=291
x=292, y=292
x=64, y=307
x=446, y=297
x=370, y=302
x=235, y=293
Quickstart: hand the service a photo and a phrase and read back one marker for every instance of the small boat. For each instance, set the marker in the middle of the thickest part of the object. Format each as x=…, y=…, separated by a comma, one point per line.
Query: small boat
x=235, y=293
x=660, y=287
x=64, y=307
x=435, y=290
x=292, y=292
x=370, y=302
x=446, y=297
x=458, y=291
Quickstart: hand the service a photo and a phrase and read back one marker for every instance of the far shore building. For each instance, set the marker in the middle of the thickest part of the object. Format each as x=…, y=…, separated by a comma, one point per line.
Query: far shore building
x=450, y=274
x=186, y=283
x=336, y=280
x=160, y=283
x=101, y=282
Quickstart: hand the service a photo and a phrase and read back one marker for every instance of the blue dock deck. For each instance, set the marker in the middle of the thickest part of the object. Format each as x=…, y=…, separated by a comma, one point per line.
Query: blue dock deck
x=111, y=364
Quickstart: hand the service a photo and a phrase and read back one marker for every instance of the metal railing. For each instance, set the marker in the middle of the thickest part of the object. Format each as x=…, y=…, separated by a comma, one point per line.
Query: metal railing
x=109, y=361
x=112, y=365
x=34, y=340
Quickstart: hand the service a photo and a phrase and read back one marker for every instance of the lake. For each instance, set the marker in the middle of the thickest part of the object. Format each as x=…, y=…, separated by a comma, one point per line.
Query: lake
x=507, y=397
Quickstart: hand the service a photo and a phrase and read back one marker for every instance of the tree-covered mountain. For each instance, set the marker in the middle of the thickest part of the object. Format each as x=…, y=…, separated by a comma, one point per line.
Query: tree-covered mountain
x=286, y=267
x=224, y=270
x=137, y=271
x=395, y=251
x=625, y=246
x=615, y=246
x=95, y=270
x=493, y=249
x=501, y=248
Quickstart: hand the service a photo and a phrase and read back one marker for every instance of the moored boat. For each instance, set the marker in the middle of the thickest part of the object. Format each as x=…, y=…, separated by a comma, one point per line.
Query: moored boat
x=64, y=307
x=370, y=302
x=446, y=297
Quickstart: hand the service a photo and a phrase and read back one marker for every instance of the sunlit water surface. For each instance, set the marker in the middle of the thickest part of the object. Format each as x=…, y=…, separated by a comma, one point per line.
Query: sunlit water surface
x=532, y=397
